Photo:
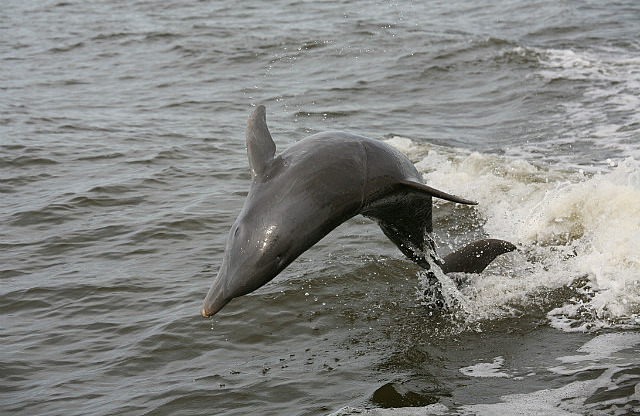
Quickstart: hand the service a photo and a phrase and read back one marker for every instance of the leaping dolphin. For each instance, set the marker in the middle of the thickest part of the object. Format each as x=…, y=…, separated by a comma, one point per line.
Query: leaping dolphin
x=315, y=185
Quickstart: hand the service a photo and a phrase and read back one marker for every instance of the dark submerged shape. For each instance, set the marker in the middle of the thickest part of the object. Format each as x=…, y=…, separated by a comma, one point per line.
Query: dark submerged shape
x=315, y=185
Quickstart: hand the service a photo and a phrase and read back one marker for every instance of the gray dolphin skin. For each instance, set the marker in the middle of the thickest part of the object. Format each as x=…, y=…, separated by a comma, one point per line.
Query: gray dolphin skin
x=299, y=196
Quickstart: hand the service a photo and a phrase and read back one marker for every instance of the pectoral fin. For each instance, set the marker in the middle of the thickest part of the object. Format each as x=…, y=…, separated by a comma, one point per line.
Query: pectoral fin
x=436, y=193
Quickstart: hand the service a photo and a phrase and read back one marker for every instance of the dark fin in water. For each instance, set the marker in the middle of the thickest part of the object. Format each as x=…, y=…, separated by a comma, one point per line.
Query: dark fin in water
x=475, y=257
x=260, y=145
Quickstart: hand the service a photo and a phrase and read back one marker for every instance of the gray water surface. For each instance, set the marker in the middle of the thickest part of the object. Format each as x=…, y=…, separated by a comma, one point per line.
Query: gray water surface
x=122, y=168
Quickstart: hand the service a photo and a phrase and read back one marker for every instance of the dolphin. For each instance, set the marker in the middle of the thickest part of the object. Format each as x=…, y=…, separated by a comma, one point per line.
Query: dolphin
x=299, y=196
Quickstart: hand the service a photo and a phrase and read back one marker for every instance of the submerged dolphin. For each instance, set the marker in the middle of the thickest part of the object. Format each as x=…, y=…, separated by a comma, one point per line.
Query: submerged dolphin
x=315, y=185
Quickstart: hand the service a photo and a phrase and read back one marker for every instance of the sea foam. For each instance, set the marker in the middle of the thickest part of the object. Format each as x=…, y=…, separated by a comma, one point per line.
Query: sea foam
x=573, y=230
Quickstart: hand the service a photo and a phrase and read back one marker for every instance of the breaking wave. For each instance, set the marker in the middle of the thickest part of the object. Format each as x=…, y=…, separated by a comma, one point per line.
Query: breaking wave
x=578, y=235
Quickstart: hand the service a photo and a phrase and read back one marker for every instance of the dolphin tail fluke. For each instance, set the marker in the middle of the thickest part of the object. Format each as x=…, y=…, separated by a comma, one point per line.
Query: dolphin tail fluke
x=260, y=146
x=475, y=257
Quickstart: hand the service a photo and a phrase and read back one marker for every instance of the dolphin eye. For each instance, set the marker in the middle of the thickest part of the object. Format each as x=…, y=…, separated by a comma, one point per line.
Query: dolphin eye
x=235, y=233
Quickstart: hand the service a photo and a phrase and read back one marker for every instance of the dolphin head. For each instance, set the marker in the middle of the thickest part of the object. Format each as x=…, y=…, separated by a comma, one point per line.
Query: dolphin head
x=258, y=248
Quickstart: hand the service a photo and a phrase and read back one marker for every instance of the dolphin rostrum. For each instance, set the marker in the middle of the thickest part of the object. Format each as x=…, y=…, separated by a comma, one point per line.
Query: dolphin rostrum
x=299, y=196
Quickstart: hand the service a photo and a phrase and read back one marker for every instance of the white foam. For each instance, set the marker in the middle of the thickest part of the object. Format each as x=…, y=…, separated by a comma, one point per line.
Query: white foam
x=543, y=402
x=433, y=409
x=602, y=347
x=486, y=370
x=569, y=227
x=571, y=399
x=603, y=352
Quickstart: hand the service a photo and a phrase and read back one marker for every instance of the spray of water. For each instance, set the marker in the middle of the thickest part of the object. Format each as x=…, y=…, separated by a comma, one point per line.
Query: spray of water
x=578, y=236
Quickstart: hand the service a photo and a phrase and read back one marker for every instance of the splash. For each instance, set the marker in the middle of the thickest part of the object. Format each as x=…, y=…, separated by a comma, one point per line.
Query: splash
x=438, y=293
x=578, y=234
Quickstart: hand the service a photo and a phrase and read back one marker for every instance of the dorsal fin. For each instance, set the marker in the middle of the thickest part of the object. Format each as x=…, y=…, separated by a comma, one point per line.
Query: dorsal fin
x=437, y=193
x=260, y=145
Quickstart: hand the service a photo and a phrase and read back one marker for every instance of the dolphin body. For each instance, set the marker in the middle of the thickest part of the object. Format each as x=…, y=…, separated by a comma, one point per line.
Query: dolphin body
x=315, y=185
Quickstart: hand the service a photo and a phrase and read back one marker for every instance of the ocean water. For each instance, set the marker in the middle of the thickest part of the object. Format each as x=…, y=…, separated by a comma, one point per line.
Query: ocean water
x=122, y=168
